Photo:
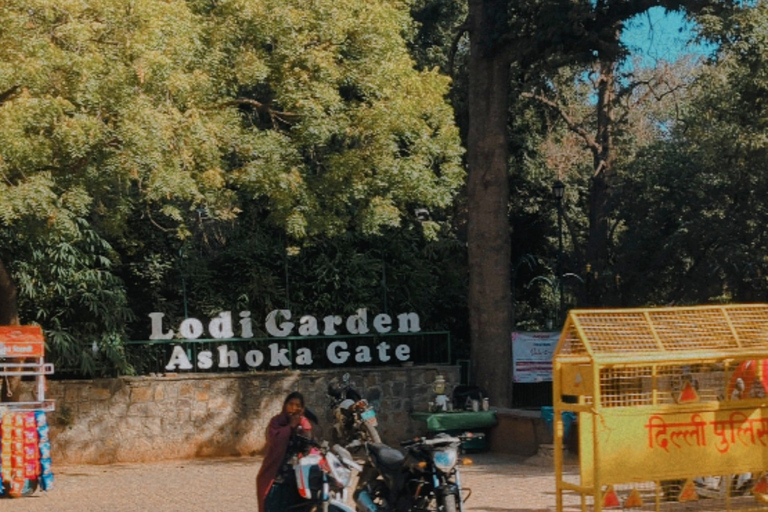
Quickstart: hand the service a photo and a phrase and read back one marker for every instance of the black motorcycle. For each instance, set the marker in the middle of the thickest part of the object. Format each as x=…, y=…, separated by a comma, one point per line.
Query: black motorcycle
x=355, y=421
x=424, y=479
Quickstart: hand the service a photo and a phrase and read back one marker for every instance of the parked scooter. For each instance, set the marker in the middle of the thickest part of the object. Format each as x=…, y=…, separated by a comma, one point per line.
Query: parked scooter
x=355, y=419
x=323, y=475
x=426, y=478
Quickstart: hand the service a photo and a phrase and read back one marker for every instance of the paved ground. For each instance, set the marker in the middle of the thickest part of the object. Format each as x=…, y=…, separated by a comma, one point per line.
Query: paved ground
x=498, y=483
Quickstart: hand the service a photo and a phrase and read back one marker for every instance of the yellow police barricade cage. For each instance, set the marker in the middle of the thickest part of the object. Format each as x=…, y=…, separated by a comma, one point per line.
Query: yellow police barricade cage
x=671, y=406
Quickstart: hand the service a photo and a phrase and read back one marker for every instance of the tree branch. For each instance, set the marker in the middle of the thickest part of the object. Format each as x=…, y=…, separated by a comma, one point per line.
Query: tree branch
x=8, y=94
x=574, y=126
x=284, y=117
x=460, y=31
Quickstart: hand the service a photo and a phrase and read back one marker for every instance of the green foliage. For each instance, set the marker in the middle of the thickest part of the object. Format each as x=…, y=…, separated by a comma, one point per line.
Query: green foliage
x=67, y=284
x=340, y=131
x=436, y=24
x=144, y=145
x=696, y=214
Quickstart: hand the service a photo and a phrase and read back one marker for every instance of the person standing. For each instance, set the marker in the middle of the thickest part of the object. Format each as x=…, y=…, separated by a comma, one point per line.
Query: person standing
x=275, y=485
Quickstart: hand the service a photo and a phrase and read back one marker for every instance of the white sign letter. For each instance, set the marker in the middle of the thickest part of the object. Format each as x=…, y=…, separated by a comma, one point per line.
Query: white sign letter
x=409, y=322
x=403, y=352
x=221, y=326
x=304, y=356
x=278, y=355
x=358, y=324
x=246, y=325
x=383, y=351
x=157, y=328
x=205, y=360
x=283, y=329
x=178, y=360
x=337, y=357
x=254, y=358
x=382, y=323
x=331, y=321
x=227, y=358
x=191, y=328
x=308, y=326
x=363, y=354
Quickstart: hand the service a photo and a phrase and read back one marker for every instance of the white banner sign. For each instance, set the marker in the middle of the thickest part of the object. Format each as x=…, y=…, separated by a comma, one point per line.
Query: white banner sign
x=532, y=354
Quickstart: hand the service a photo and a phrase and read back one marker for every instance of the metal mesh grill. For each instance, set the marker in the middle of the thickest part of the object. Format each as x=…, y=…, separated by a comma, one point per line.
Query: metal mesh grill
x=750, y=326
x=572, y=344
x=631, y=386
x=662, y=330
x=620, y=332
x=701, y=329
x=709, y=380
x=626, y=387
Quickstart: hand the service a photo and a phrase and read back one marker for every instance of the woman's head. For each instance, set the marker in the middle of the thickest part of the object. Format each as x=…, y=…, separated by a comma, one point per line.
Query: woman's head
x=294, y=403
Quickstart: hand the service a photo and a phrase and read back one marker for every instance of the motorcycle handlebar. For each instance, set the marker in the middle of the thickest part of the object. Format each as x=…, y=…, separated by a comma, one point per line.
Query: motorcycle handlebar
x=337, y=392
x=441, y=439
x=333, y=391
x=310, y=442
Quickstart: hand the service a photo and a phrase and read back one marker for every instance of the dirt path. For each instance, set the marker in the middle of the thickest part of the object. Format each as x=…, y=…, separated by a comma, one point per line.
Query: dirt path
x=498, y=483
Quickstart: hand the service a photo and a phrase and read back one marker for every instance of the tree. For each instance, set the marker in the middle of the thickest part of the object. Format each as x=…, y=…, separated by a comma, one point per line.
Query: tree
x=622, y=120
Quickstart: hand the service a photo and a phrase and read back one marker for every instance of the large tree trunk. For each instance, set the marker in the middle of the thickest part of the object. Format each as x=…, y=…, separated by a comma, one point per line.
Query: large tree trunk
x=597, y=253
x=490, y=313
x=9, y=315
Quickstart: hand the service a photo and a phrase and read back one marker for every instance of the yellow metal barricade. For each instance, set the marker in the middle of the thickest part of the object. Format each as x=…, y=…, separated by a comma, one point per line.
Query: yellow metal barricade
x=672, y=408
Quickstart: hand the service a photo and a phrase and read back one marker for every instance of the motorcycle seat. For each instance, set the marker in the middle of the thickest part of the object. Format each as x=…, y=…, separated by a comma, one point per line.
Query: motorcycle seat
x=386, y=456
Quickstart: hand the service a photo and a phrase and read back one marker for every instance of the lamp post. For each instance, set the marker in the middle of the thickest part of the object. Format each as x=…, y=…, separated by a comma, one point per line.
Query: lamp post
x=558, y=190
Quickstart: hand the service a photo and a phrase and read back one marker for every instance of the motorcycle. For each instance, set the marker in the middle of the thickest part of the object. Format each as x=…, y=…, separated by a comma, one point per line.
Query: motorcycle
x=322, y=475
x=424, y=479
x=355, y=419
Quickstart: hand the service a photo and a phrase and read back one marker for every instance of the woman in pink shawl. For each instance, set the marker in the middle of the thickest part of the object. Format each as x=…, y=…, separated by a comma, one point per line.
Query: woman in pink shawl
x=275, y=490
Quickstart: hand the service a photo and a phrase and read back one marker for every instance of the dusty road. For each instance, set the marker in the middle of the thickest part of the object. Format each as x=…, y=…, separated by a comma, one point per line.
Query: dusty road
x=498, y=483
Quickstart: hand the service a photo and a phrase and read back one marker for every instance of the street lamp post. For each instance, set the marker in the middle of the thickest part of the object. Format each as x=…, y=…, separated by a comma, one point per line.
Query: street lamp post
x=558, y=190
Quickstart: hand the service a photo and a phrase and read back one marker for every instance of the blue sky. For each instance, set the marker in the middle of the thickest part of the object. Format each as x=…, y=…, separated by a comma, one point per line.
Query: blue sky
x=661, y=35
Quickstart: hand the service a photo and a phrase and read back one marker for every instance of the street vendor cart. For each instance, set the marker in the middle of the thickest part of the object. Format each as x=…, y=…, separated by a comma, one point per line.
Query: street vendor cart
x=25, y=450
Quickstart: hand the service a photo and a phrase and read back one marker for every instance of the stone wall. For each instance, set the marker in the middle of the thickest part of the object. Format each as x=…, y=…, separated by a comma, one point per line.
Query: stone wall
x=135, y=419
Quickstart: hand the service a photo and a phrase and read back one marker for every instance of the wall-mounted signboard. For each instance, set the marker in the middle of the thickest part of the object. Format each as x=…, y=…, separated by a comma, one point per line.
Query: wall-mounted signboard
x=304, y=342
x=532, y=354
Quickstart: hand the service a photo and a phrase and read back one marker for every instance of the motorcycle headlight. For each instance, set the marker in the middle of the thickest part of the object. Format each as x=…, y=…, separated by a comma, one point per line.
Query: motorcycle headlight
x=444, y=459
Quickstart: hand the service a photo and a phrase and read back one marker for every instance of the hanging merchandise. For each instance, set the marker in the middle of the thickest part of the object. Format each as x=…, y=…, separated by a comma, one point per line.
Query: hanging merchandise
x=46, y=474
x=25, y=449
x=26, y=453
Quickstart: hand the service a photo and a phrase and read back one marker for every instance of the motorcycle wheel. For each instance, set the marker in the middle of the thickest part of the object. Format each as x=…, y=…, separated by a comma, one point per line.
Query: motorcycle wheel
x=449, y=504
x=372, y=433
x=378, y=494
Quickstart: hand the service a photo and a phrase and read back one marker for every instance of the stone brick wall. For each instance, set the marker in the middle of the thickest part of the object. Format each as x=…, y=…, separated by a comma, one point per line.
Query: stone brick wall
x=135, y=419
